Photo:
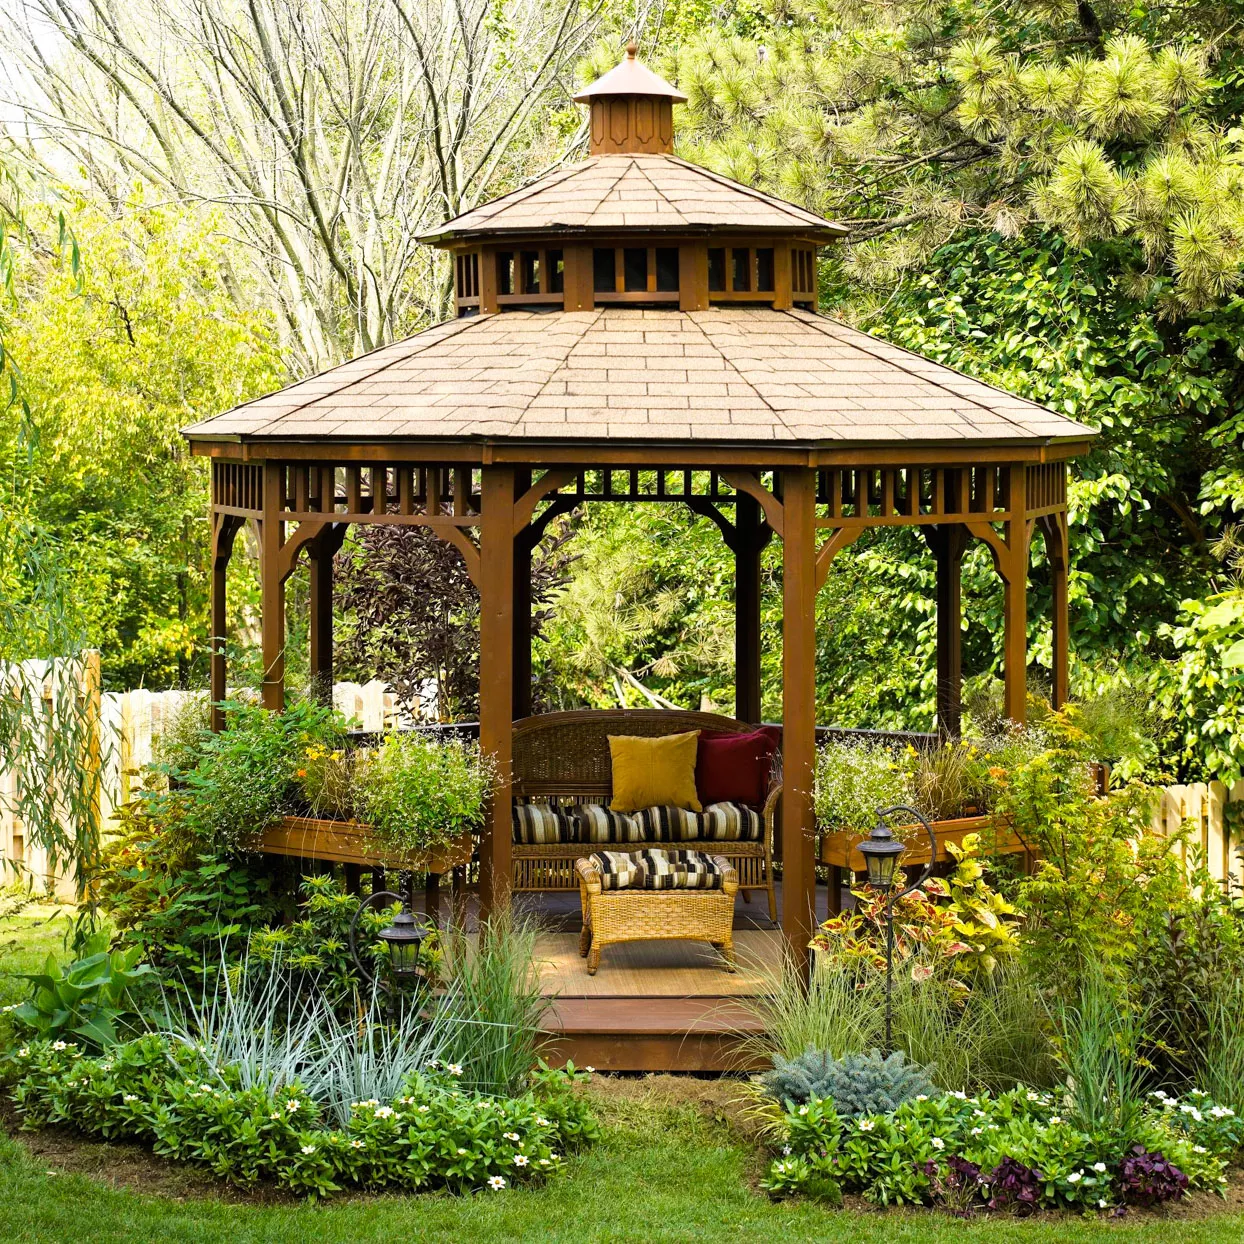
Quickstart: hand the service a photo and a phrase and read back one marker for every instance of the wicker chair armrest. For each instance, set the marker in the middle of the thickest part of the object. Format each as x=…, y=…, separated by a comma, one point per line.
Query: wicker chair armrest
x=589, y=874
x=770, y=811
x=729, y=875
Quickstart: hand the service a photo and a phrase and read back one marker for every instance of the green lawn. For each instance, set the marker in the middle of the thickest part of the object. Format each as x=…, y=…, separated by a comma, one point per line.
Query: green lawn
x=667, y=1169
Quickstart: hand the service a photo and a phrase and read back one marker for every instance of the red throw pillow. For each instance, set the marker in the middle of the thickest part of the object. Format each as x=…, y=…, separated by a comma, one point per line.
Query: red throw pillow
x=735, y=768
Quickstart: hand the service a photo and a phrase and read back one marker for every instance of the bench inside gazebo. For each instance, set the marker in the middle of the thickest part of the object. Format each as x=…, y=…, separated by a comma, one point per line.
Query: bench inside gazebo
x=634, y=329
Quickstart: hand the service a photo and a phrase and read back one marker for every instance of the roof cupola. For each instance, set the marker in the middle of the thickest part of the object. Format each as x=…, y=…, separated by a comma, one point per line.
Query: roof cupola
x=632, y=110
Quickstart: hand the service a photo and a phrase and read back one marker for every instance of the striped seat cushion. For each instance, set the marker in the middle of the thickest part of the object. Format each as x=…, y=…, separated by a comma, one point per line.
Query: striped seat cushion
x=720, y=822
x=678, y=870
x=593, y=823
x=618, y=869
x=540, y=824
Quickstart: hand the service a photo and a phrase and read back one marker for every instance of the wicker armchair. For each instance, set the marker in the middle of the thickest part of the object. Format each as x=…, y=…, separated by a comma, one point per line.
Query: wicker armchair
x=613, y=916
x=563, y=758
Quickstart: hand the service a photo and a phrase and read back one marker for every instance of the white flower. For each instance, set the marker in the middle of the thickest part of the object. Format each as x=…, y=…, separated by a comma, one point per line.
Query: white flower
x=1054, y=1118
x=496, y=1182
x=1032, y=1096
x=1199, y=1149
x=976, y=1131
x=541, y=1121
x=545, y=1162
x=786, y=1151
x=590, y=1070
x=1099, y=1167
x=980, y=1114
x=553, y=1156
x=1158, y=1093
x=803, y=1110
x=938, y=1143
x=520, y=1159
x=406, y=1101
x=1075, y=1177
x=6, y=1009
x=384, y=1112
x=59, y=1045
x=462, y=1153
x=510, y=1135
x=130, y=1097
x=959, y=1095
x=423, y=1109
x=293, y=1105
x=1101, y=1204
x=922, y=1097
x=1221, y=1112
x=274, y=1115
x=23, y=1052
x=356, y=1144
x=866, y=1125
x=308, y=1148
x=105, y=1066
x=454, y=1069
x=1197, y=1093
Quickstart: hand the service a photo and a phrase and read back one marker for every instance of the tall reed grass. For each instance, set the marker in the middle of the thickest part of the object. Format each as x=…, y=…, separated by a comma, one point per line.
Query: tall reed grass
x=1221, y=1063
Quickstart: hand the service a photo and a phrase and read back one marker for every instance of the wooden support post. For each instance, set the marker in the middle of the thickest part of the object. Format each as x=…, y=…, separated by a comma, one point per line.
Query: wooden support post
x=432, y=897
x=1015, y=598
x=272, y=591
x=1054, y=531
x=320, y=631
x=354, y=879
x=747, y=550
x=522, y=609
x=948, y=541
x=496, y=675
x=224, y=532
x=798, y=708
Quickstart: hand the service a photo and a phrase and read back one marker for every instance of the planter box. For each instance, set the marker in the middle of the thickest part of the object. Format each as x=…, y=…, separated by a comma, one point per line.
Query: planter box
x=350, y=842
x=839, y=849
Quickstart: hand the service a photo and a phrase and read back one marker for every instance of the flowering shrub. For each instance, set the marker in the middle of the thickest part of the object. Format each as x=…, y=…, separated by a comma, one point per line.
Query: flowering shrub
x=1013, y=1151
x=433, y=1135
x=960, y=924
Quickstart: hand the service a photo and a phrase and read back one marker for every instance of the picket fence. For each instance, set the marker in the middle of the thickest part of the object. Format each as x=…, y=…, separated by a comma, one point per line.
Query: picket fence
x=125, y=729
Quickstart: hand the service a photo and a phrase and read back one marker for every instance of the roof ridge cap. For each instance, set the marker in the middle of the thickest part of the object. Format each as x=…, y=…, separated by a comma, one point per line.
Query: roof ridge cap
x=785, y=204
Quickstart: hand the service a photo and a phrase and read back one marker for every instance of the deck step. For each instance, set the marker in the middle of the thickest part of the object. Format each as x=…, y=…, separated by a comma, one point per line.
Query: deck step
x=704, y=1033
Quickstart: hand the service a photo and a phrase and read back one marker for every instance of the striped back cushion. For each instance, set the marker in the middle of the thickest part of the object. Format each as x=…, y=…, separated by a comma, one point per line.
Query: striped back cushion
x=678, y=870
x=595, y=823
x=731, y=822
x=538, y=823
x=618, y=869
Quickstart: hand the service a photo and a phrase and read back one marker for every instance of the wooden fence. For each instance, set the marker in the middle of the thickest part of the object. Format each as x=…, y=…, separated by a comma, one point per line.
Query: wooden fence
x=125, y=729
x=1205, y=808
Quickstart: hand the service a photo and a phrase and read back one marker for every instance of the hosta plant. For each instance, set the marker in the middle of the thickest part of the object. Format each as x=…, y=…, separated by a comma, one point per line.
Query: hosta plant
x=856, y=1084
x=89, y=999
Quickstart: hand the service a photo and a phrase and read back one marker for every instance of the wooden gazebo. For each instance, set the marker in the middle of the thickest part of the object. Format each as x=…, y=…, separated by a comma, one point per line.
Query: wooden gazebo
x=634, y=328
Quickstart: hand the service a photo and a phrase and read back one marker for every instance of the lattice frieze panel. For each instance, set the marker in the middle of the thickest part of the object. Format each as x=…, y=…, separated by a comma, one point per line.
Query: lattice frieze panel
x=237, y=486
x=880, y=496
x=367, y=492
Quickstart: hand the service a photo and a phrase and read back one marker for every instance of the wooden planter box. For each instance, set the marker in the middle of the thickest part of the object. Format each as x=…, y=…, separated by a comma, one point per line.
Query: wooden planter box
x=350, y=842
x=839, y=850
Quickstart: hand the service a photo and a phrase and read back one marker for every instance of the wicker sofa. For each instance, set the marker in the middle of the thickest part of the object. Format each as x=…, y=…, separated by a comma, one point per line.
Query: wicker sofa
x=563, y=759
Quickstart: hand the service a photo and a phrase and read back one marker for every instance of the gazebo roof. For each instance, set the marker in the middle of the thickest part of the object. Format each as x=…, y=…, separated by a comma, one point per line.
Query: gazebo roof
x=725, y=375
x=633, y=191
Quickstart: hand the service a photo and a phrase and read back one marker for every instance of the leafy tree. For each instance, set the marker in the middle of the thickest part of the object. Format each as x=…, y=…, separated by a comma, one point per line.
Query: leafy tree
x=116, y=359
x=911, y=121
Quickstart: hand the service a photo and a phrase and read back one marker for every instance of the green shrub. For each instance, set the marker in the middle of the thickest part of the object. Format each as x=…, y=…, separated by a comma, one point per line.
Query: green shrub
x=856, y=1083
x=89, y=999
x=975, y=1145
x=433, y=1134
x=419, y=794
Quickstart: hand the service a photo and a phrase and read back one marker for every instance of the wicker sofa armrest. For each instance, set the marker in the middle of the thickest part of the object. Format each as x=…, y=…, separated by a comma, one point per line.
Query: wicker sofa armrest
x=589, y=874
x=730, y=876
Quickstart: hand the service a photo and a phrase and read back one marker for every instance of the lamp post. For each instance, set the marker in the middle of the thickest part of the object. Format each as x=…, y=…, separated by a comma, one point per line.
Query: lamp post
x=402, y=937
x=881, y=852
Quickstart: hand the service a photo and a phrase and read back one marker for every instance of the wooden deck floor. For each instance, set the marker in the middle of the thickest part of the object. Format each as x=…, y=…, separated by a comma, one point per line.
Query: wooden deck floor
x=656, y=1006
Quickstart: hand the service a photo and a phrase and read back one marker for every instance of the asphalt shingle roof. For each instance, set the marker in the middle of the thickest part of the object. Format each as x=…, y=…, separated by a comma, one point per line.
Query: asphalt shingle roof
x=724, y=375
x=632, y=192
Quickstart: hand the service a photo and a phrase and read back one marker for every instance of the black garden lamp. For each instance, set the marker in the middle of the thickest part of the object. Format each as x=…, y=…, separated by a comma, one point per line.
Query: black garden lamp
x=402, y=937
x=881, y=852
